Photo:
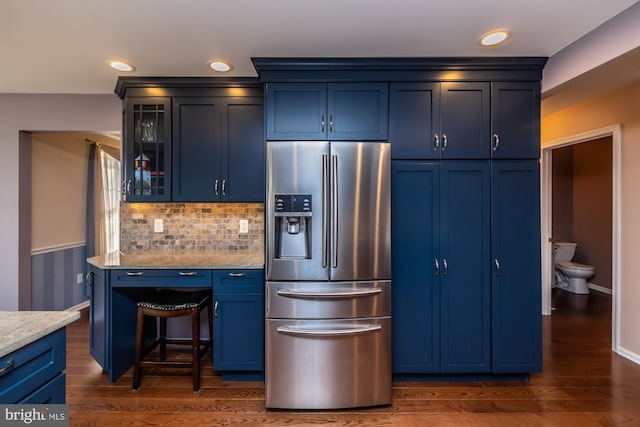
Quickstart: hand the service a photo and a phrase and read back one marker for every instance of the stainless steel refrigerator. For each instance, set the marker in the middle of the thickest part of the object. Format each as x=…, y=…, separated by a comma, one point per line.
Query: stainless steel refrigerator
x=328, y=269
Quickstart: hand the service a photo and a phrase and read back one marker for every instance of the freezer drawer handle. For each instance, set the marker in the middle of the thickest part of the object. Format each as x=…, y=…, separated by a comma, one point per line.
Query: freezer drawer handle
x=328, y=332
x=294, y=294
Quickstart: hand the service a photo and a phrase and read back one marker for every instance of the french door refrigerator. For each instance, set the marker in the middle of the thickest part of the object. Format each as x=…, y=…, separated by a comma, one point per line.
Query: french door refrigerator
x=328, y=270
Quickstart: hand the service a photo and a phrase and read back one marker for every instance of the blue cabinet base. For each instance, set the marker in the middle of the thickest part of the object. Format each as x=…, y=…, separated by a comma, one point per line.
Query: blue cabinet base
x=242, y=376
x=460, y=377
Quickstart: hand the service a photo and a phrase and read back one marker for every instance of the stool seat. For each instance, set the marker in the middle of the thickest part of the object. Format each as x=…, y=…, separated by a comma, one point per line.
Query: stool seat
x=173, y=300
x=163, y=304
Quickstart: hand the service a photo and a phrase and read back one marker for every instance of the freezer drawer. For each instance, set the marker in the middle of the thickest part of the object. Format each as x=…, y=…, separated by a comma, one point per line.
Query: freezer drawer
x=328, y=300
x=328, y=364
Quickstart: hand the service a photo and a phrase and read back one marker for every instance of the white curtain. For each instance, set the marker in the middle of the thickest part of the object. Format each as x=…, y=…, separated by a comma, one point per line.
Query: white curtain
x=106, y=190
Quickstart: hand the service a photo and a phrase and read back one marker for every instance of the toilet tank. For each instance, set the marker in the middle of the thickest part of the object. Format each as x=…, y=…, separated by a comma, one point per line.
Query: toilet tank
x=564, y=251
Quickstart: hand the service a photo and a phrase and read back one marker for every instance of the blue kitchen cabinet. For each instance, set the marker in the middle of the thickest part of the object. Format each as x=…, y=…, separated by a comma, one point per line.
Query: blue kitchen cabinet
x=146, y=153
x=218, y=149
x=415, y=246
x=34, y=374
x=327, y=111
x=515, y=120
x=441, y=274
x=238, y=323
x=97, y=286
x=515, y=248
x=448, y=120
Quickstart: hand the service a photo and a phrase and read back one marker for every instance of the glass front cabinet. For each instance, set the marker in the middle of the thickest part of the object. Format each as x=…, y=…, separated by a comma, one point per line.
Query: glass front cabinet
x=147, y=149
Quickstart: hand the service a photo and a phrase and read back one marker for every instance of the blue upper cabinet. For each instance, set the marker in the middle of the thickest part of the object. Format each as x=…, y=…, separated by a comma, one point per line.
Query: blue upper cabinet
x=196, y=155
x=449, y=120
x=327, y=111
x=414, y=120
x=218, y=154
x=515, y=120
x=296, y=111
x=146, y=153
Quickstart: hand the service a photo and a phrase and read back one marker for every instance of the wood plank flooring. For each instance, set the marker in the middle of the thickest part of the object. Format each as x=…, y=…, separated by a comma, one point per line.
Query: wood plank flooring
x=583, y=384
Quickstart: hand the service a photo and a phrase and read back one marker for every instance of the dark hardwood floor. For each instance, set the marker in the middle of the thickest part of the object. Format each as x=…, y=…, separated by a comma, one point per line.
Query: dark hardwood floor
x=583, y=384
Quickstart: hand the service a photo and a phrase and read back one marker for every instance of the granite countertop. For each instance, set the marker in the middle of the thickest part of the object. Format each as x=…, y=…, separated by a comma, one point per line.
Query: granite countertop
x=179, y=260
x=19, y=328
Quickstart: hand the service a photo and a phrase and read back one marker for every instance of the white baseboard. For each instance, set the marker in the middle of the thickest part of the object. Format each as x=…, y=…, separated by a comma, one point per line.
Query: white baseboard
x=600, y=288
x=79, y=307
x=635, y=358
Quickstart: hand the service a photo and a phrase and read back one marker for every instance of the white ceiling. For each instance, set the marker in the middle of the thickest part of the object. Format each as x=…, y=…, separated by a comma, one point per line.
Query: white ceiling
x=62, y=46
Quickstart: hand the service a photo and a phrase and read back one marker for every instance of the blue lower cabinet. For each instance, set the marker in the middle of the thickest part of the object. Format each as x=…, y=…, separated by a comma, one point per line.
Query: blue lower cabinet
x=441, y=274
x=515, y=284
x=34, y=374
x=238, y=323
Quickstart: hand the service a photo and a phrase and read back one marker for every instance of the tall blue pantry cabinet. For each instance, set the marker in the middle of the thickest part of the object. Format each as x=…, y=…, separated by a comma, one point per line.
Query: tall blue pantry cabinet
x=464, y=136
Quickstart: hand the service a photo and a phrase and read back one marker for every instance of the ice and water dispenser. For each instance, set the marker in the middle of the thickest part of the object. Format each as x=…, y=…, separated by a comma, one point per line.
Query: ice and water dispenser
x=292, y=216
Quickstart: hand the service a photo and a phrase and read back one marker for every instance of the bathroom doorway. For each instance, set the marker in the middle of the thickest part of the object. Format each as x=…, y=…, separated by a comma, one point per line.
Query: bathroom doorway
x=580, y=190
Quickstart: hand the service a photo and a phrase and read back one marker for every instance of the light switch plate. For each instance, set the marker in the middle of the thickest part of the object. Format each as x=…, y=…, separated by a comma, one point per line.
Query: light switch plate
x=244, y=226
x=157, y=225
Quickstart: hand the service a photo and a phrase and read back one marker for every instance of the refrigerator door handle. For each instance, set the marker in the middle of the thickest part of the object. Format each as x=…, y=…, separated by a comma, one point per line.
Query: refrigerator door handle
x=348, y=294
x=328, y=332
x=334, y=208
x=325, y=208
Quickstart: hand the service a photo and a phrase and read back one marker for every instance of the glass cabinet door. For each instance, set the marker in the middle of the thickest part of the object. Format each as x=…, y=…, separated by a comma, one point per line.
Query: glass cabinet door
x=147, y=150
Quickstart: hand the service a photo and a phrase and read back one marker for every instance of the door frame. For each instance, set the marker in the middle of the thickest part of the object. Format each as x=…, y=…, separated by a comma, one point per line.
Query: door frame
x=615, y=131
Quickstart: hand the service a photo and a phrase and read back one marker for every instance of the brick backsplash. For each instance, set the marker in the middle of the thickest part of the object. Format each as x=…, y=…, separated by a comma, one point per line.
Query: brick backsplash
x=191, y=226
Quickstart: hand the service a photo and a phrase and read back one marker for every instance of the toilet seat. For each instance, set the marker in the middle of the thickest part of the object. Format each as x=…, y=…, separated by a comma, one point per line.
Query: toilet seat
x=574, y=266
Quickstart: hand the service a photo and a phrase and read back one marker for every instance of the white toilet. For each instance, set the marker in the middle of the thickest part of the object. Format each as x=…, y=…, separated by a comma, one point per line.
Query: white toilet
x=570, y=276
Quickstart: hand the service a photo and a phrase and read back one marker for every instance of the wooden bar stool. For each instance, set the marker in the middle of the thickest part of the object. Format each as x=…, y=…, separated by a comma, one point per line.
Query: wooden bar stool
x=167, y=303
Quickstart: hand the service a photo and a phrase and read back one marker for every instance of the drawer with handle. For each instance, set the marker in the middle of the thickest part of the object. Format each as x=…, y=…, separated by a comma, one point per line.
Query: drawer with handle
x=26, y=370
x=142, y=278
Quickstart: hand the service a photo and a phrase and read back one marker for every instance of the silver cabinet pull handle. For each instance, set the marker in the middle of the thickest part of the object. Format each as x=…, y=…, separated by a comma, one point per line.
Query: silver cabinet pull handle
x=215, y=309
x=444, y=141
x=437, y=266
x=331, y=123
x=88, y=279
x=129, y=187
x=328, y=332
x=497, y=263
x=346, y=294
x=7, y=367
x=135, y=273
x=224, y=187
x=496, y=141
x=445, y=266
x=236, y=274
x=322, y=122
x=325, y=208
x=215, y=187
x=187, y=273
x=436, y=142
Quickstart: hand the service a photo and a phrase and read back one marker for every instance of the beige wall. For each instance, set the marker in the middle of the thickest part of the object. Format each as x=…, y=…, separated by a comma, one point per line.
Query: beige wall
x=58, y=190
x=620, y=106
x=26, y=112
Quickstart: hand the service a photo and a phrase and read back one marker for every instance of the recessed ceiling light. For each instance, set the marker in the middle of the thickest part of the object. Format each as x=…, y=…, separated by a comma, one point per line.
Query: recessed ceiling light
x=219, y=66
x=121, y=66
x=494, y=37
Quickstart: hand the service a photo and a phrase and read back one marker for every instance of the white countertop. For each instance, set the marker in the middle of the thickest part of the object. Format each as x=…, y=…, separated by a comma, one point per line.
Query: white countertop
x=19, y=328
x=180, y=259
